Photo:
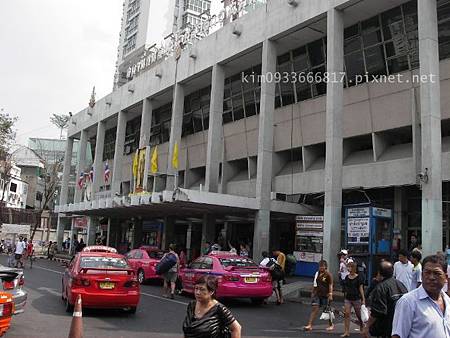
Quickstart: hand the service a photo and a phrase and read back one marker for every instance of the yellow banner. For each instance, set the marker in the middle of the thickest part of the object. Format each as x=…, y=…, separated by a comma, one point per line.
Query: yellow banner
x=154, y=161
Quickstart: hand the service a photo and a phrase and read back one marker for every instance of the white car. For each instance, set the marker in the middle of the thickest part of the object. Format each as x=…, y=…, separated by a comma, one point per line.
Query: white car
x=12, y=282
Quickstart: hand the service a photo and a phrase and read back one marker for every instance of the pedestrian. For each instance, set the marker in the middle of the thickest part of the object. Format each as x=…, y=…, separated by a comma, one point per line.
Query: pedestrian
x=322, y=295
x=80, y=246
x=353, y=297
x=18, y=253
x=383, y=300
x=243, y=252
x=403, y=269
x=413, y=243
x=170, y=277
x=343, y=271
x=206, y=248
x=232, y=248
x=183, y=259
x=416, y=257
x=425, y=311
x=206, y=317
x=276, y=273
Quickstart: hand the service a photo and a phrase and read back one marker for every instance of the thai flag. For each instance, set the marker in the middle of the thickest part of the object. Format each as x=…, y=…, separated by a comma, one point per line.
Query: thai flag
x=81, y=180
x=91, y=174
x=107, y=172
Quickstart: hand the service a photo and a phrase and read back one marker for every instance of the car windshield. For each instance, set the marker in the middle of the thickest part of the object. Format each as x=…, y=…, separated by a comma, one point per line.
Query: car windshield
x=155, y=254
x=103, y=262
x=238, y=262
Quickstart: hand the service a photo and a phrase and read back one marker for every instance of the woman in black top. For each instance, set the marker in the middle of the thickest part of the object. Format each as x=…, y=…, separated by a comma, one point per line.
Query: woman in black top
x=354, y=297
x=206, y=317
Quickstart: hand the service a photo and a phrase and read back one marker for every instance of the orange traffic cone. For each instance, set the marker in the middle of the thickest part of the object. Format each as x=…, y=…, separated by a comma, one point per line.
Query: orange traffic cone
x=76, y=327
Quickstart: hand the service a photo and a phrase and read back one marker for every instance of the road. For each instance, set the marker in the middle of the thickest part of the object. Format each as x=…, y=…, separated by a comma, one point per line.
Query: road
x=156, y=316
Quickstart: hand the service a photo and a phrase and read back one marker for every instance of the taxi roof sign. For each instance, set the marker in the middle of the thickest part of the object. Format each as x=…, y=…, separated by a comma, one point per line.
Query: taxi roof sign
x=217, y=252
x=99, y=248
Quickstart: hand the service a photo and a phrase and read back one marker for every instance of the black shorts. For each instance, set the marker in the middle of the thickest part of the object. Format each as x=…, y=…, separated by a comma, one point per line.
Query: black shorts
x=18, y=256
x=320, y=301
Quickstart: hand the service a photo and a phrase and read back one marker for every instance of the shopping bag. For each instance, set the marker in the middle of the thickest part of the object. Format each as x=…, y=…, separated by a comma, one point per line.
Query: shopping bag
x=364, y=313
x=327, y=314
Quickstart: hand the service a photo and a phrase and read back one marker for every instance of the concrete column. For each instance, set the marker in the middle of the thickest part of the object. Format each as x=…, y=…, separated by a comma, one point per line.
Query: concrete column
x=169, y=230
x=189, y=242
x=98, y=158
x=334, y=150
x=64, y=190
x=215, y=131
x=118, y=153
x=144, y=139
x=265, y=152
x=138, y=232
x=400, y=218
x=81, y=163
x=175, y=133
x=91, y=231
x=430, y=111
x=208, y=229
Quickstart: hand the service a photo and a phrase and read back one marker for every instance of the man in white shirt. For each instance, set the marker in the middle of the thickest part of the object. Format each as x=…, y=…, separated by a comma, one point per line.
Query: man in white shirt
x=403, y=270
x=20, y=248
x=416, y=257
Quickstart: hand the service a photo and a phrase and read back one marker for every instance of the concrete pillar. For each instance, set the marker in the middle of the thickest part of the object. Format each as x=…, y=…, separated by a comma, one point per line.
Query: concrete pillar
x=430, y=111
x=169, y=230
x=215, y=131
x=175, y=134
x=208, y=229
x=144, y=139
x=91, y=231
x=81, y=163
x=265, y=152
x=334, y=150
x=189, y=242
x=64, y=190
x=400, y=218
x=138, y=232
x=98, y=158
x=118, y=153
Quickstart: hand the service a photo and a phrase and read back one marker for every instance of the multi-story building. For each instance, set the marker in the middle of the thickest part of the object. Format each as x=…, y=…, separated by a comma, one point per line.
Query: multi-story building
x=362, y=112
x=13, y=193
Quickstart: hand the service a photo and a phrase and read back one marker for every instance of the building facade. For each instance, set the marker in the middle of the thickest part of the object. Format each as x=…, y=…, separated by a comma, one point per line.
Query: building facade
x=360, y=112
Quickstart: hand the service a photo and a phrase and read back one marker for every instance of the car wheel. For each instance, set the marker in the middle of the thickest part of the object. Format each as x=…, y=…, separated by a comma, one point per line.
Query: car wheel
x=141, y=277
x=69, y=307
x=257, y=301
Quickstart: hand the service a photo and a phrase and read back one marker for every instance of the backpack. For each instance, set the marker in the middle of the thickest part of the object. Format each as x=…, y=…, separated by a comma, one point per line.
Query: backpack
x=165, y=264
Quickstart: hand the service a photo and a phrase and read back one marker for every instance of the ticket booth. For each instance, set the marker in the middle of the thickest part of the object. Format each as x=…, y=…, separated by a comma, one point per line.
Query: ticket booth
x=308, y=244
x=368, y=235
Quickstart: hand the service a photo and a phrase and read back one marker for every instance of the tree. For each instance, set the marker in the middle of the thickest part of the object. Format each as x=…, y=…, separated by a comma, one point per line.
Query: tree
x=7, y=138
x=61, y=121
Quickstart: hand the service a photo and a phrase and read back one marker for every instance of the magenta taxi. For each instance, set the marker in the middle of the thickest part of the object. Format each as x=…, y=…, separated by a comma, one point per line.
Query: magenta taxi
x=238, y=277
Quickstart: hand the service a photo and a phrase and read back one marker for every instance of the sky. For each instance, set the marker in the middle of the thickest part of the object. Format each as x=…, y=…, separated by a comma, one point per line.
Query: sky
x=52, y=53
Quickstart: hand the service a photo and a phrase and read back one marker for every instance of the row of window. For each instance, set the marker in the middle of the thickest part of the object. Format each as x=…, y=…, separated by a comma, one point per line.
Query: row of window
x=130, y=44
x=160, y=130
x=133, y=8
x=198, y=6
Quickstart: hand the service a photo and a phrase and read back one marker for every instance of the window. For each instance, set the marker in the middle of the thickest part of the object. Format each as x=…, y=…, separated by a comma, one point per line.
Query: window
x=160, y=129
x=196, y=111
x=13, y=187
x=207, y=264
x=110, y=144
x=103, y=262
x=132, y=135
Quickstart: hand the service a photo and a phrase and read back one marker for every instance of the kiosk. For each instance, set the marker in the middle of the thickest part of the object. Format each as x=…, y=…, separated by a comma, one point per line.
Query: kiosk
x=368, y=235
x=308, y=244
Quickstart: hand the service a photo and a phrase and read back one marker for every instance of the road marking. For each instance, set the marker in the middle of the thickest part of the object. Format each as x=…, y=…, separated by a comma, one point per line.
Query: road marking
x=40, y=267
x=163, y=298
x=51, y=291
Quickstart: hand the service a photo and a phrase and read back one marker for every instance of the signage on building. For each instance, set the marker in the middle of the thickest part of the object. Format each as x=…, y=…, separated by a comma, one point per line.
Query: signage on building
x=80, y=222
x=381, y=212
x=309, y=222
x=358, y=212
x=177, y=41
x=358, y=230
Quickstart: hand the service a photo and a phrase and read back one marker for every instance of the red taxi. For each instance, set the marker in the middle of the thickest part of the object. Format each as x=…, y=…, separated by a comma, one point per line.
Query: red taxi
x=144, y=260
x=238, y=277
x=103, y=278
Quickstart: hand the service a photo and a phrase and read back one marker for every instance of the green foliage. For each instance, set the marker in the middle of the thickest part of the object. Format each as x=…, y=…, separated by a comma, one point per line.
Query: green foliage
x=7, y=133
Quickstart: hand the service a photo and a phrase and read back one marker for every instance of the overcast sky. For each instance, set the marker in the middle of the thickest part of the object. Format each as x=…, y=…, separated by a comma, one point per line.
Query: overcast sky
x=52, y=53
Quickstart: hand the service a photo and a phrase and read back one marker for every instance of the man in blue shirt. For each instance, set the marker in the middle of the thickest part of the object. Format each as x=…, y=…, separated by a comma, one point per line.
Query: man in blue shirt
x=425, y=311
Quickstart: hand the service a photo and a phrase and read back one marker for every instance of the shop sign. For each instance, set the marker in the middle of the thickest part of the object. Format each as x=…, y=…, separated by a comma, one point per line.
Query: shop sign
x=358, y=212
x=174, y=43
x=80, y=222
x=309, y=222
x=381, y=212
x=358, y=230
x=307, y=256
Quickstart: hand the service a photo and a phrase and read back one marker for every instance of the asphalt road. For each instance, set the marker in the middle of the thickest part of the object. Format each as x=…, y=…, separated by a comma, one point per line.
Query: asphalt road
x=156, y=316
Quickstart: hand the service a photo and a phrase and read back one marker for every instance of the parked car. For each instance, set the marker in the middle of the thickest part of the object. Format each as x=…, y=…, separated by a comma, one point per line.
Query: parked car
x=238, y=277
x=103, y=278
x=144, y=260
x=12, y=282
x=6, y=311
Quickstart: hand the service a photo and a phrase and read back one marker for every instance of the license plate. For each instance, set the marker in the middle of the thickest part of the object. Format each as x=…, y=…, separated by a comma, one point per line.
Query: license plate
x=251, y=279
x=106, y=285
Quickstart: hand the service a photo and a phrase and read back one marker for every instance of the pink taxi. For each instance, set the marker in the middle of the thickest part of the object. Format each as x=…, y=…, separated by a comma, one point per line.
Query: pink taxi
x=143, y=261
x=238, y=277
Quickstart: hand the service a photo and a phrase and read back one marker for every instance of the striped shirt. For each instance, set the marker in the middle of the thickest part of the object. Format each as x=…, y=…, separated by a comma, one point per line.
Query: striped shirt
x=211, y=325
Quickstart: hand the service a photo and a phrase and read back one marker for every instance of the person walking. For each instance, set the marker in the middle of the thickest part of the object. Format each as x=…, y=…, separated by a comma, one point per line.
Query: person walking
x=425, y=311
x=343, y=271
x=353, y=297
x=206, y=317
x=170, y=277
x=383, y=300
x=322, y=295
x=403, y=270
x=276, y=273
x=416, y=257
x=18, y=253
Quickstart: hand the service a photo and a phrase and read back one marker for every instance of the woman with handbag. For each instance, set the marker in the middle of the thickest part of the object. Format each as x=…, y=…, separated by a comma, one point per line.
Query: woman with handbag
x=206, y=317
x=354, y=297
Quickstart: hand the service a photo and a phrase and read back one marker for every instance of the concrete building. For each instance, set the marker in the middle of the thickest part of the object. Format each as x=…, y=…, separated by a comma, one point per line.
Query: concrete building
x=14, y=193
x=364, y=114
x=148, y=22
